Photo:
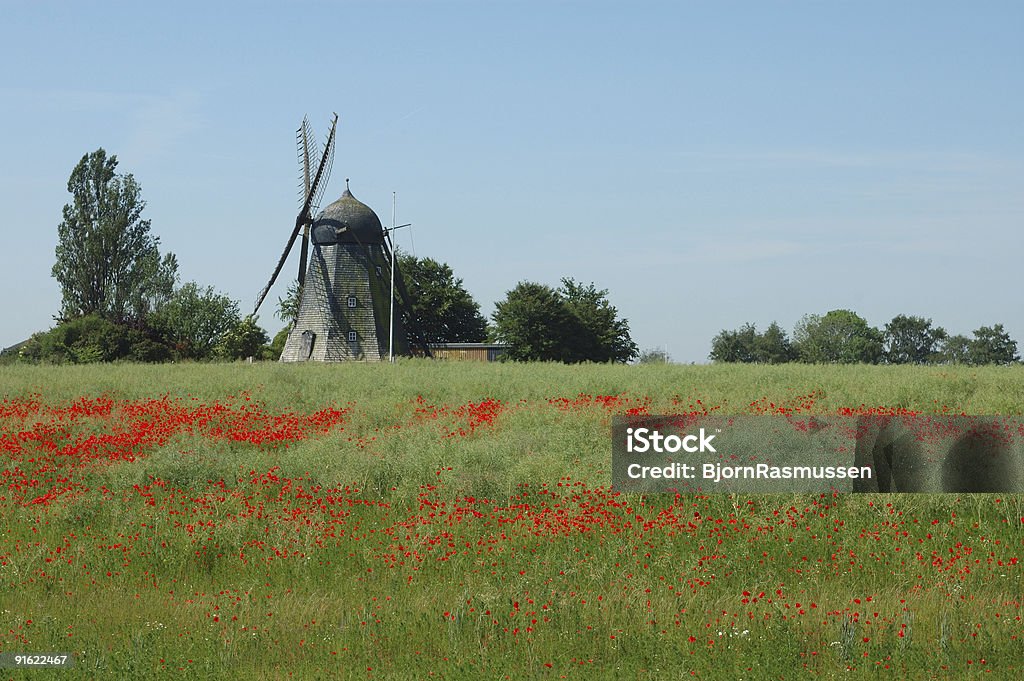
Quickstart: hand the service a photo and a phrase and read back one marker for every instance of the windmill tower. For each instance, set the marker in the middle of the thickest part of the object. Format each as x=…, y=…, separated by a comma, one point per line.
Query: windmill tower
x=345, y=301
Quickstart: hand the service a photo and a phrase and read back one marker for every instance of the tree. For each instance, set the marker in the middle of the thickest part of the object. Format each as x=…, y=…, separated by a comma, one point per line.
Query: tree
x=574, y=323
x=912, y=340
x=602, y=336
x=840, y=337
x=244, y=339
x=955, y=350
x=654, y=356
x=734, y=346
x=157, y=279
x=92, y=338
x=276, y=347
x=195, y=320
x=773, y=346
x=442, y=309
x=747, y=345
x=107, y=262
x=992, y=345
x=288, y=307
x=535, y=322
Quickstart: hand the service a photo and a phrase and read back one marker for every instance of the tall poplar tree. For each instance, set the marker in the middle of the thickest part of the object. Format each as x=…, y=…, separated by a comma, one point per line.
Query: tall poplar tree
x=107, y=262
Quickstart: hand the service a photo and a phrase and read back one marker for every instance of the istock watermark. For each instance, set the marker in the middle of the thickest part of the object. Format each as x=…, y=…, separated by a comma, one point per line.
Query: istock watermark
x=797, y=454
x=641, y=440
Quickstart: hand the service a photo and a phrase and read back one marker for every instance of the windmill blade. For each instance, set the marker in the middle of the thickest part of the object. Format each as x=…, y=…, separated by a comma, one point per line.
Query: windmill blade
x=314, y=189
x=307, y=150
x=280, y=263
x=323, y=171
x=303, y=256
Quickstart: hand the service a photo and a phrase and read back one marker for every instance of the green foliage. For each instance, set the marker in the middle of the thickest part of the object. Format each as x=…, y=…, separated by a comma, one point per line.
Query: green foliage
x=955, y=350
x=843, y=337
x=277, y=345
x=244, y=339
x=573, y=324
x=93, y=338
x=288, y=307
x=534, y=321
x=992, y=345
x=118, y=296
x=442, y=309
x=195, y=320
x=748, y=346
x=107, y=262
x=654, y=356
x=773, y=346
x=602, y=336
x=157, y=278
x=840, y=337
x=912, y=340
x=734, y=346
x=148, y=347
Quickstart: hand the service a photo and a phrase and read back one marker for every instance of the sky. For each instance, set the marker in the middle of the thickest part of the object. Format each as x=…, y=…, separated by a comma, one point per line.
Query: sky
x=709, y=164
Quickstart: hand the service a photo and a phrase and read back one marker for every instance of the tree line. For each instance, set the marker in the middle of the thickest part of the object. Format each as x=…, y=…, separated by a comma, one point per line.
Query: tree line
x=572, y=323
x=121, y=299
x=844, y=337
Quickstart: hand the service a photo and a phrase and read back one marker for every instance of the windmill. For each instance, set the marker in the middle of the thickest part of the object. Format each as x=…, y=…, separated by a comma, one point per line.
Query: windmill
x=345, y=297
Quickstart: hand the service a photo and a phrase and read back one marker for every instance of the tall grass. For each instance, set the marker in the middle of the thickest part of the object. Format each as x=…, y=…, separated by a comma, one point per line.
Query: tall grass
x=226, y=571
x=995, y=390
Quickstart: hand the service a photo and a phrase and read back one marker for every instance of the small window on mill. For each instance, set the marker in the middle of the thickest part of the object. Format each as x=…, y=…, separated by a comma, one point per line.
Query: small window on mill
x=351, y=301
x=351, y=336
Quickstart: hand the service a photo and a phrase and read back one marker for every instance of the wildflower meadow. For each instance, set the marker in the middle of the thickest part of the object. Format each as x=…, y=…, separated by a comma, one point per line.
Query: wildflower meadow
x=456, y=521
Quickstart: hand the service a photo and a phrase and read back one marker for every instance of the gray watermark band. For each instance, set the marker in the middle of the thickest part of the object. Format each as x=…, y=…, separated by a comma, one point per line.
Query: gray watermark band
x=765, y=454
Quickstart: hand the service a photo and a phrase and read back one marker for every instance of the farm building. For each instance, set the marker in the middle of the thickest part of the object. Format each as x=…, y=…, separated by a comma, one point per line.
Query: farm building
x=479, y=352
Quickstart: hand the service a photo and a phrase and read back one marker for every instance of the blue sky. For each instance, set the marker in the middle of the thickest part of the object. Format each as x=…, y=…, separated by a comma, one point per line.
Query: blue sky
x=709, y=164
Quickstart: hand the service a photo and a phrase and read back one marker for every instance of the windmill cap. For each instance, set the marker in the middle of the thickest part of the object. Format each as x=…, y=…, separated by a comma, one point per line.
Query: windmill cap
x=347, y=220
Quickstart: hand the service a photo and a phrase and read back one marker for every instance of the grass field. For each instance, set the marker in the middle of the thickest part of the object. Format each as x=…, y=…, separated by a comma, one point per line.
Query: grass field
x=447, y=520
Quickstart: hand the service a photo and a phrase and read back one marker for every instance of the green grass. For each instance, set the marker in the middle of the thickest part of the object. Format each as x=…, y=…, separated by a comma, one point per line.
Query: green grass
x=974, y=389
x=229, y=573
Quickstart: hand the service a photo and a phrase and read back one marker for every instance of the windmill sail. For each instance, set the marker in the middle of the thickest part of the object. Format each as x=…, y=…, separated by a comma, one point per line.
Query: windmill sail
x=306, y=146
x=313, y=194
x=307, y=150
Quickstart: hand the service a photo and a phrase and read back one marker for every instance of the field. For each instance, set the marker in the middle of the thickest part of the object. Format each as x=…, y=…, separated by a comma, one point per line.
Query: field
x=455, y=521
